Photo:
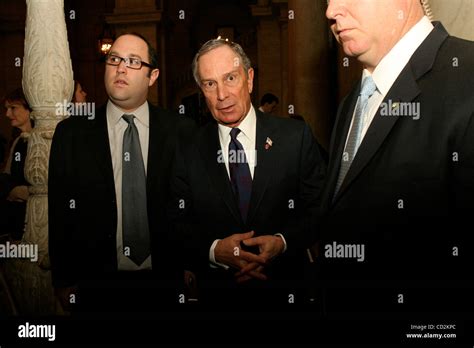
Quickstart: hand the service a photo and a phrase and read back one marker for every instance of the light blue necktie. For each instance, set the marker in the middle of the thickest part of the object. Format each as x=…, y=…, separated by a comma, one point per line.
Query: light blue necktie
x=353, y=141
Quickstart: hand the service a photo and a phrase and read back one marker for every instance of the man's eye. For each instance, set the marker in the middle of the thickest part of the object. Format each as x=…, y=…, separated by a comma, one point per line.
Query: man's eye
x=231, y=78
x=135, y=61
x=115, y=59
x=209, y=84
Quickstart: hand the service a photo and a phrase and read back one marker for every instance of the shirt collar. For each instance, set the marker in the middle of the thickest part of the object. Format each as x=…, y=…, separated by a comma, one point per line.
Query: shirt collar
x=392, y=64
x=247, y=127
x=114, y=114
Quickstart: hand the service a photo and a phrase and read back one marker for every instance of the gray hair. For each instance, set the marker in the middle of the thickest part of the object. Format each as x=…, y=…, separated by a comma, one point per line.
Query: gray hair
x=215, y=43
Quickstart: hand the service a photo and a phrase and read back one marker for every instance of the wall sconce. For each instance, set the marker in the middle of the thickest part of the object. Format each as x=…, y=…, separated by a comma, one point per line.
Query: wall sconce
x=105, y=41
x=105, y=45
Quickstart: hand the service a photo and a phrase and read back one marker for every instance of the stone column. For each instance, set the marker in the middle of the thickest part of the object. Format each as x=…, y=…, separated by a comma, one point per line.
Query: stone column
x=47, y=80
x=269, y=54
x=456, y=15
x=284, y=58
x=308, y=65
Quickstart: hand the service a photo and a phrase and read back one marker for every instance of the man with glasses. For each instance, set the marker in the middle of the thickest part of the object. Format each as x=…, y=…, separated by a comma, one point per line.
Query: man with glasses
x=108, y=186
x=246, y=191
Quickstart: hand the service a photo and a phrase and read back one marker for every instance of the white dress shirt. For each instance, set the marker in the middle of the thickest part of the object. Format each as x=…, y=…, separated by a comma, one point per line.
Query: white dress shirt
x=116, y=127
x=247, y=137
x=390, y=67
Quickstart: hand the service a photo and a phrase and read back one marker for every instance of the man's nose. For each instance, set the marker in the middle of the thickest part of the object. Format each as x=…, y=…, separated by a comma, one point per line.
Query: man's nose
x=122, y=68
x=334, y=8
x=222, y=92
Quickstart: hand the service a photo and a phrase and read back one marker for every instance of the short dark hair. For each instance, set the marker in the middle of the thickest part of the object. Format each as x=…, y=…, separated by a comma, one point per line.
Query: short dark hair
x=269, y=98
x=152, y=55
x=17, y=95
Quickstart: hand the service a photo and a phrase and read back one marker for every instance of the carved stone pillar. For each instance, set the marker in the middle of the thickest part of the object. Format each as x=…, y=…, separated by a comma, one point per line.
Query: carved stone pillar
x=456, y=16
x=47, y=80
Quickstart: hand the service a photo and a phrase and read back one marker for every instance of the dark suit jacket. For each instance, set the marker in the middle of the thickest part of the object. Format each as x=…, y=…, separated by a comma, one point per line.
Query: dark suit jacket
x=290, y=170
x=411, y=183
x=82, y=239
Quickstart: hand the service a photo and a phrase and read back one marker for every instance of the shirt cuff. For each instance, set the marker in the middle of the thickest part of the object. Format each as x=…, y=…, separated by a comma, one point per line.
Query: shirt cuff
x=284, y=241
x=212, y=259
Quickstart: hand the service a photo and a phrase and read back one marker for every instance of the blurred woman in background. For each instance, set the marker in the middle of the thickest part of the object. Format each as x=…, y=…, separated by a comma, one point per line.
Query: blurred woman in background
x=13, y=185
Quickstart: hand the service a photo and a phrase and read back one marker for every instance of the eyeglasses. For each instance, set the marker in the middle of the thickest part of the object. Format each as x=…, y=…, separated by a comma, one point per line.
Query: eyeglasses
x=132, y=63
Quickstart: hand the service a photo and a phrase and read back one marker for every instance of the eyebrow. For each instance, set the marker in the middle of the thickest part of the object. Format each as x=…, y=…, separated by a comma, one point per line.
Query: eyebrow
x=133, y=55
x=236, y=70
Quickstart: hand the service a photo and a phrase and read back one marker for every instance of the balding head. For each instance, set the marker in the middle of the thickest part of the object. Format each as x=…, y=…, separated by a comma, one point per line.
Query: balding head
x=368, y=29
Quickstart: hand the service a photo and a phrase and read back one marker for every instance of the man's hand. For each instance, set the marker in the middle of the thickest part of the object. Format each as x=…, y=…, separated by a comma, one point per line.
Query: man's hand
x=249, y=271
x=18, y=194
x=228, y=252
x=269, y=247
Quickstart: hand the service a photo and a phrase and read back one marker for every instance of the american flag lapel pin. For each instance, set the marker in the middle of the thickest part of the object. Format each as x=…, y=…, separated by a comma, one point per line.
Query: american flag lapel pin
x=268, y=143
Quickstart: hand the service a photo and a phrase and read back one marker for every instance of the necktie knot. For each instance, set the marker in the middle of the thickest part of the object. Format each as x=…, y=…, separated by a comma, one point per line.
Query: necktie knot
x=233, y=133
x=368, y=87
x=129, y=118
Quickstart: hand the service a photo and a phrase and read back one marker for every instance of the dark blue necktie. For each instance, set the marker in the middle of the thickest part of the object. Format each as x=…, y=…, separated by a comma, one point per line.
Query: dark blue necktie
x=239, y=173
x=136, y=235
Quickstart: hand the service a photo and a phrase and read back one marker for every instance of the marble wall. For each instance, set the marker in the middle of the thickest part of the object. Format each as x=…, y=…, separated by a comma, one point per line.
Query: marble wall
x=456, y=15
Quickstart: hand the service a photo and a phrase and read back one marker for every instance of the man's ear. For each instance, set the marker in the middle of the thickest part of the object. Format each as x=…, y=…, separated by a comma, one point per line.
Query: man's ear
x=153, y=76
x=250, y=80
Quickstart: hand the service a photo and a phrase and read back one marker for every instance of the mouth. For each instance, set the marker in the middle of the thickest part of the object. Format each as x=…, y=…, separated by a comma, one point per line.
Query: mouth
x=343, y=32
x=120, y=83
x=226, y=109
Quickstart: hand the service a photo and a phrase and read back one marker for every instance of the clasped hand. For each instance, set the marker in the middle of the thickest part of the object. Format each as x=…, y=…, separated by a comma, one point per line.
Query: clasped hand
x=249, y=265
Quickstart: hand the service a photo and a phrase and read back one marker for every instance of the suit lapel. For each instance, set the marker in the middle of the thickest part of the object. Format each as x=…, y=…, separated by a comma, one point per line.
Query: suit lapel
x=209, y=148
x=265, y=161
x=98, y=140
x=156, y=144
x=342, y=123
x=404, y=90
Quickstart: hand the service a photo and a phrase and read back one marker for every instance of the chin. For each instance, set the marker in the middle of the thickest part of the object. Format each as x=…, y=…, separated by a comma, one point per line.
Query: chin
x=230, y=120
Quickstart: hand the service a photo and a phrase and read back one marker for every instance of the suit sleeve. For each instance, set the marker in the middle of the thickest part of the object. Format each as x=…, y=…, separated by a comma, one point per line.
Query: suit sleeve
x=63, y=251
x=463, y=194
x=301, y=230
x=192, y=242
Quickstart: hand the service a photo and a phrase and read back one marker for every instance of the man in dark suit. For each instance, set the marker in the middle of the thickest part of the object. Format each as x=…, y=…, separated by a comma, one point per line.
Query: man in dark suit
x=246, y=189
x=108, y=188
x=401, y=169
